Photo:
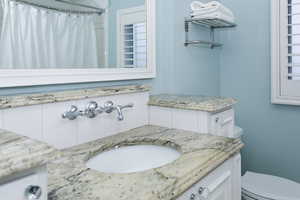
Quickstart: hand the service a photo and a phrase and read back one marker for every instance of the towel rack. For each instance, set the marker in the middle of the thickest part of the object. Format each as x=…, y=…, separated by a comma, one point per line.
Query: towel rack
x=210, y=23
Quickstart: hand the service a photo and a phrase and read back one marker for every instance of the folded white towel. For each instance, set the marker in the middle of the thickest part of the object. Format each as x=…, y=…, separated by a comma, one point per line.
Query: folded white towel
x=211, y=9
x=215, y=15
x=218, y=7
x=197, y=5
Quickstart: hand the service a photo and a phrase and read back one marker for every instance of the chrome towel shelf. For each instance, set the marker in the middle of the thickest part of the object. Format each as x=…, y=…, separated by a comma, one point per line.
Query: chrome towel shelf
x=210, y=23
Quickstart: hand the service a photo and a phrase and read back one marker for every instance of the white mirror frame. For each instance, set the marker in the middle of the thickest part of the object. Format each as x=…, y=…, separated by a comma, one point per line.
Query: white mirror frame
x=15, y=78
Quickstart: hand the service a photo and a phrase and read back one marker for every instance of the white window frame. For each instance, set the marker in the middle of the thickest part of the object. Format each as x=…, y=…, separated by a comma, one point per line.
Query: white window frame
x=277, y=61
x=15, y=78
x=120, y=36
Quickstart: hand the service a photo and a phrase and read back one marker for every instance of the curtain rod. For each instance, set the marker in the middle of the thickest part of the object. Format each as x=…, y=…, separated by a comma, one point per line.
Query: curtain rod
x=81, y=5
x=99, y=10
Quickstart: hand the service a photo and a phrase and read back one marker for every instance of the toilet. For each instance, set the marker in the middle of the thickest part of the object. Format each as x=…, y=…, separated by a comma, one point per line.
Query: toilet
x=265, y=187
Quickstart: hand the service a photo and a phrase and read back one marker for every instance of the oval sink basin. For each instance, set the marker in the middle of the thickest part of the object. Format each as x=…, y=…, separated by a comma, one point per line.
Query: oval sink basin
x=131, y=159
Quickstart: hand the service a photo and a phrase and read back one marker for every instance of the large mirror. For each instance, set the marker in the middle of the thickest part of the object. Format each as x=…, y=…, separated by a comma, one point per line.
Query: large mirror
x=103, y=37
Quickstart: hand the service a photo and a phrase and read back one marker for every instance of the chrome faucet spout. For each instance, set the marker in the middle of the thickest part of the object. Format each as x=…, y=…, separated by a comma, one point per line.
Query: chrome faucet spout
x=120, y=108
x=120, y=113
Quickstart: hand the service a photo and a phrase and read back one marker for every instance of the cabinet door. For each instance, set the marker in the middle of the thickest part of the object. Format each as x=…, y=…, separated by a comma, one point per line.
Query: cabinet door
x=221, y=191
x=215, y=186
x=15, y=190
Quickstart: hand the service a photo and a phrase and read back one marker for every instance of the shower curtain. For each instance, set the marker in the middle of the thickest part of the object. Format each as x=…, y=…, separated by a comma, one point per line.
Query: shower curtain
x=35, y=38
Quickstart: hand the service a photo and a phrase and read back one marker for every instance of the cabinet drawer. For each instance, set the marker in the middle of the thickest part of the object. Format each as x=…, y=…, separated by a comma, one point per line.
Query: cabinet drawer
x=222, y=124
x=23, y=185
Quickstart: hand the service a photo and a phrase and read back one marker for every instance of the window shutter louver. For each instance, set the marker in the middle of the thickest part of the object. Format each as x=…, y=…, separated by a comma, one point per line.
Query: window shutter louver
x=135, y=45
x=132, y=37
x=293, y=20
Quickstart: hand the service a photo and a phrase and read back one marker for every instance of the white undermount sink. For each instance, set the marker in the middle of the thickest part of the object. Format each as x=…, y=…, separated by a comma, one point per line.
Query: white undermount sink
x=131, y=159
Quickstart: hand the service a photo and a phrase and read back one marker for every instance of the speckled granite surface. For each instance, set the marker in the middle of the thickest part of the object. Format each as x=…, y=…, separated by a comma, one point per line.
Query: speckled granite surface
x=18, y=154
x=34, y=99
x=70, y=179
x=200, y=103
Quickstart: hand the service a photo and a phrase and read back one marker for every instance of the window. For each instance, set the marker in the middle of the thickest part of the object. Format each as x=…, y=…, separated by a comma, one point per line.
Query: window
x=286, y=52
x=132, y=41
x=135, y=45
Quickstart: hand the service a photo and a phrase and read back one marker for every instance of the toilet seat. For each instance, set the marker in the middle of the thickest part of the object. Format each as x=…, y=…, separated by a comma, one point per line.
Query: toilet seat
x=250, y=196
x=265, y=187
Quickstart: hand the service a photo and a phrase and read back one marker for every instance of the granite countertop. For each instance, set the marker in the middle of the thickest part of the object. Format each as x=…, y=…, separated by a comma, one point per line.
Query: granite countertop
x=19, y=153
x=69, y=95
x=70, y=179
x=200, y=103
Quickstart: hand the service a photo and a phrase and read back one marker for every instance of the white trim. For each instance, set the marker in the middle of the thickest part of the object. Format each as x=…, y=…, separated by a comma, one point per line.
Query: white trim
x=14, y=78
x=276, y=72
x=101, y=26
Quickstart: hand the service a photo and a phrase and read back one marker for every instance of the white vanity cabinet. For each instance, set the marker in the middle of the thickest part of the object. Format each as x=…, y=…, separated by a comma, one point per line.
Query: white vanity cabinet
x=30, y=185
x=220, y=123
x=221, y=184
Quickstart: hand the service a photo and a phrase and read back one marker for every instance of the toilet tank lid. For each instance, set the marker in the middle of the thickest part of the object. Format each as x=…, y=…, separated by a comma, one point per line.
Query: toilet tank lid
x=271, y=187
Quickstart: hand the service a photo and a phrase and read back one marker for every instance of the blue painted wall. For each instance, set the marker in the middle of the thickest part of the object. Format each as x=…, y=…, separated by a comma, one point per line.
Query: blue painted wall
x=195, y=70
x=272, y=132
x=180, y=69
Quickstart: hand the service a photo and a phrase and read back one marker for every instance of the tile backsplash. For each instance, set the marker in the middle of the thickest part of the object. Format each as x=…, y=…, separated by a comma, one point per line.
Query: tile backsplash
x=44, y=122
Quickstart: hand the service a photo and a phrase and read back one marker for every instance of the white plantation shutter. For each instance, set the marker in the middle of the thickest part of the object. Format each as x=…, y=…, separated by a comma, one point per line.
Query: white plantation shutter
x=290, y=47
x=132, y=38
x=135, y=45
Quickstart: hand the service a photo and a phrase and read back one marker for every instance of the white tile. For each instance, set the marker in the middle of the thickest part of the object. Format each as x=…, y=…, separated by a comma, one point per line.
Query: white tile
x=185, y=120
x=160, y=116
x=204, y=122
x=92, y=129
x=136, y=116
x=59, y=132
x=26, y=121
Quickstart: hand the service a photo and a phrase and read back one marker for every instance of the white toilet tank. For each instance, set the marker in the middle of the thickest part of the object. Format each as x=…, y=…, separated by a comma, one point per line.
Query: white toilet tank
x=265, y=187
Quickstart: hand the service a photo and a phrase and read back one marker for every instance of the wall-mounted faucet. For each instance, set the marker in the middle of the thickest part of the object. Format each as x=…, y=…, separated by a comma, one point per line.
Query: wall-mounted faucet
x=92, y=110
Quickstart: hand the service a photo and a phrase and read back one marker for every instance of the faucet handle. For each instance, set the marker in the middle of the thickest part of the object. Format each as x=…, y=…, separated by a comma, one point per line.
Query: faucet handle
x=108, y=107
x=72, y=113
x=73, y=109
x=91, y=109
x=93, y=105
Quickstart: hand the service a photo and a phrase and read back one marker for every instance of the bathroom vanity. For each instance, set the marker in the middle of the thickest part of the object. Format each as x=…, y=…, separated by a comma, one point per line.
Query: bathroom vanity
x=206, y=165
x=208, y=168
